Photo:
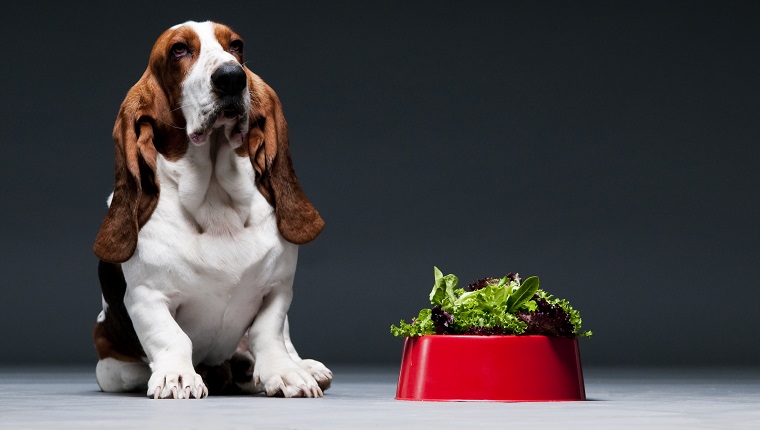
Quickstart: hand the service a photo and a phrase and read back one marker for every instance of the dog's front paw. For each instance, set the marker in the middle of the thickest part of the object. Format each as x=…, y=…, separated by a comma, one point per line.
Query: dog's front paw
x=288, y=380
x=185, y=384
x=318, y=371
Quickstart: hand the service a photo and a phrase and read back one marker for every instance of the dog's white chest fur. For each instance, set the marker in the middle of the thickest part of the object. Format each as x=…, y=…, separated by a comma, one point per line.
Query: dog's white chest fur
x=211, y=248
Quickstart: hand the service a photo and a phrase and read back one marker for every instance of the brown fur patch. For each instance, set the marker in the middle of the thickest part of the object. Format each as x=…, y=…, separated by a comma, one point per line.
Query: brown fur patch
x=268, y=148
x=115, y=337
x=225, y=36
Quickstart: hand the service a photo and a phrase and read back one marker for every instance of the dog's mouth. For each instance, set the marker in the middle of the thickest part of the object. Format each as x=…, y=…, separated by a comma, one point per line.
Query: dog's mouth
x=230, y=115
x=228, y=108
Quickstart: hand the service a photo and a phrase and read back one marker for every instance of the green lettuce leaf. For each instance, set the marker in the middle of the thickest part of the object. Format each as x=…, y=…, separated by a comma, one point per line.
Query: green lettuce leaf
x=501, y=307
x=443, y=289
x=420, y=326
x=522, y=294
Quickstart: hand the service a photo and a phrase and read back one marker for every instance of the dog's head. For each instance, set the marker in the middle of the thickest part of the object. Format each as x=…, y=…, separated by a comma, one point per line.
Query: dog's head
x=197, y=82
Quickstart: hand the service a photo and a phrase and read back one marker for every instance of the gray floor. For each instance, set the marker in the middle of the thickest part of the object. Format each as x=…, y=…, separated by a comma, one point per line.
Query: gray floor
x=362, y=398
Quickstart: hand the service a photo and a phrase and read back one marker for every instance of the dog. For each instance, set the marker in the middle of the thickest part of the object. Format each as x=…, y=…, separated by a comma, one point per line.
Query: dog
x=197, y=251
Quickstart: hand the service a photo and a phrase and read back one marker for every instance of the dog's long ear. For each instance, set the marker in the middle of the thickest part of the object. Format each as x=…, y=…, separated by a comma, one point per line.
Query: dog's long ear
x=136, y=187
x=297, y=219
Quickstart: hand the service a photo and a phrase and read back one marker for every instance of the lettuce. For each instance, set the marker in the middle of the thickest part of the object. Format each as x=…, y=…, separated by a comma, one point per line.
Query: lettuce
x=421, y=325
x=493, y=306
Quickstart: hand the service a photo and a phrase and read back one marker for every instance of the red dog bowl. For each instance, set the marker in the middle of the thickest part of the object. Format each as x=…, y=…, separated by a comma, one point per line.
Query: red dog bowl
x=490, y=368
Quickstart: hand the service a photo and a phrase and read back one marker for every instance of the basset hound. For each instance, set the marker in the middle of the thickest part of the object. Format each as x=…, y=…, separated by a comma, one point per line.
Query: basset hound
x=199, y=245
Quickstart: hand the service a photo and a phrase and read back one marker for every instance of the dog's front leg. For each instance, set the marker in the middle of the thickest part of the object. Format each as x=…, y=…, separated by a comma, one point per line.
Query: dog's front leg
x=168, y=348
x=316, y=369
x=274, y=368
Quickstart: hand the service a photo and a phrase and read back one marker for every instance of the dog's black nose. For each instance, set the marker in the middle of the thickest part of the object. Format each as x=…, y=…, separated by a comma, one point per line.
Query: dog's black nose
x=229, y=79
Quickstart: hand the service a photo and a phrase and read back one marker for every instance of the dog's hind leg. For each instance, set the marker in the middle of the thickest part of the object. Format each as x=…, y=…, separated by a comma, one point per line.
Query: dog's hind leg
x=121, y=366
x=116, y=376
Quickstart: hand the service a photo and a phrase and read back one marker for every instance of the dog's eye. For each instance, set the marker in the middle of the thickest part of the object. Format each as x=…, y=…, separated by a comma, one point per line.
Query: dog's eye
x=236, y=46
x=179, y=50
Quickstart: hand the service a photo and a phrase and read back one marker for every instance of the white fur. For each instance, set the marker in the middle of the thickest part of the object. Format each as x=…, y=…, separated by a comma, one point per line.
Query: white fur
x=102, y=314
x=210, y=265
x=198, y=100
x=114, y=375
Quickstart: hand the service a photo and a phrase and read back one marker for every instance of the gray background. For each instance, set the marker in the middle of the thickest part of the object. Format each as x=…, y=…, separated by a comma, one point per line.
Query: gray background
x=609, y=148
